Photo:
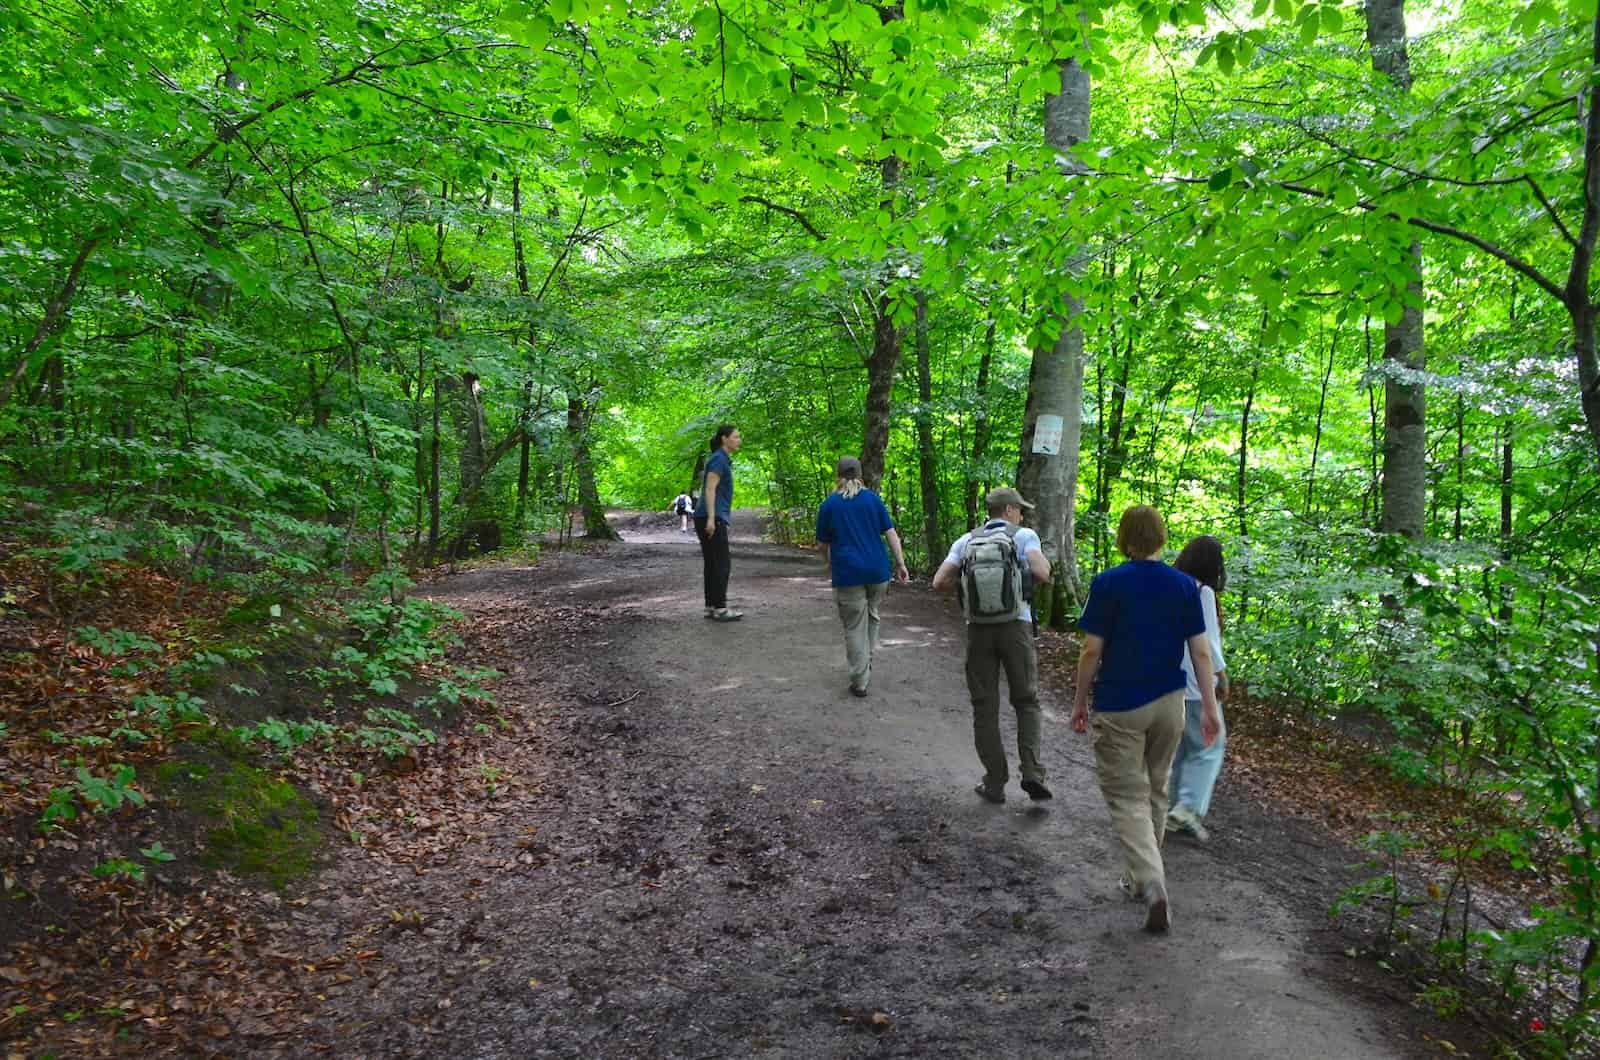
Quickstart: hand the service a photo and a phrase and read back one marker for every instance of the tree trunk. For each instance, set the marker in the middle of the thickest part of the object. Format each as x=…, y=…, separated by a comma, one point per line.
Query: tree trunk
x=1507, y=465
x=1405, y=439
x=1242, y=500
x=595, y=527
x=1316, y=441
x=883, y=363
x=980, y=423
x=1055, y=388
x=927, y=458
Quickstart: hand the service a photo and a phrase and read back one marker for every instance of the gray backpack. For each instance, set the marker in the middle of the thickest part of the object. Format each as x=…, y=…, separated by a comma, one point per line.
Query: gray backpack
x=991, y=576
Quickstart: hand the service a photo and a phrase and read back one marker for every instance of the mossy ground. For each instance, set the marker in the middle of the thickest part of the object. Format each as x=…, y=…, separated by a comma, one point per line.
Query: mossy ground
x=251, y=822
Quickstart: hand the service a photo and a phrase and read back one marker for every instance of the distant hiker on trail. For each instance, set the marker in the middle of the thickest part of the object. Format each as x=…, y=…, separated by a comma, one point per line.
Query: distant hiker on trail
x=713, y=518
x=683, y=504
x=852, y=525
x=1195, y=768
x=997, y=566
x=1135, y=624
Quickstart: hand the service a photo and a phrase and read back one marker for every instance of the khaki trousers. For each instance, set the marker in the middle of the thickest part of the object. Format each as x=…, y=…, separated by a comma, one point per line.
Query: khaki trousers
x=858, y=610
x=1133, y=752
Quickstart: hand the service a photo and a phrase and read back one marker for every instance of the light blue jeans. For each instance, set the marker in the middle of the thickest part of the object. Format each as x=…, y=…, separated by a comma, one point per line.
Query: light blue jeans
x=1195, y=767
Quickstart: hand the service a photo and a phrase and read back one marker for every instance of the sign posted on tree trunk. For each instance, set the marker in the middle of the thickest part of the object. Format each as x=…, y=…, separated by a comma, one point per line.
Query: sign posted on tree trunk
x=1047, y=435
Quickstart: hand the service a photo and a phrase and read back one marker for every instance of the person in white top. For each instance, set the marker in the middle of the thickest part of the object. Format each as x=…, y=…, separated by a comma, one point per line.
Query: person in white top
x=1004, y=645
x=1196, y=766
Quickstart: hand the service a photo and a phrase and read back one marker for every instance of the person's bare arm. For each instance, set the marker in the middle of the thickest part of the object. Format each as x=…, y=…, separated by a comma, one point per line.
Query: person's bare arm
x=1038, y=566
x=1210, y=714
x=900, y=573
x=945, y=576
x=1088, y=665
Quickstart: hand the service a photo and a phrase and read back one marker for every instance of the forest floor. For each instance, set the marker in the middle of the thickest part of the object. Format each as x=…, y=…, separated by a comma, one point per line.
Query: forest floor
x=676, y=838
x=712, y=850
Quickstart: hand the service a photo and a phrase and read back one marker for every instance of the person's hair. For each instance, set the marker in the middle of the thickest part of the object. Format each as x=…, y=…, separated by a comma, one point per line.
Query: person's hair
x=998, y=508
x=848, y=487
x=1201, y=559
x=1141, y=534
x=722, y=432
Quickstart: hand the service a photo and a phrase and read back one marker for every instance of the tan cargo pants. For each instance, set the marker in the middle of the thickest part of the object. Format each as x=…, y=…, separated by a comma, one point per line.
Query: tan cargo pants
x=1133, y=751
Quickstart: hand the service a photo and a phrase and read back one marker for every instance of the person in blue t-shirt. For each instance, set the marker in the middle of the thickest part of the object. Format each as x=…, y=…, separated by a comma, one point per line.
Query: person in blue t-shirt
x=713, y=518
x=852, y=525
x=1138, y=619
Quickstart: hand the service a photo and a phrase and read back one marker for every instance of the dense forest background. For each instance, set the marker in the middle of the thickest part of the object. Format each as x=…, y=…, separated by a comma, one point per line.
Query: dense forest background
x=298, y=291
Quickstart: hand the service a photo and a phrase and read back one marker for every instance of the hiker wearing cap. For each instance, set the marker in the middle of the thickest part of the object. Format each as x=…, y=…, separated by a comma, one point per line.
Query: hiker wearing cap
x=713, y=518
x=997, y=566
x=1138, y=618
x=852, y=525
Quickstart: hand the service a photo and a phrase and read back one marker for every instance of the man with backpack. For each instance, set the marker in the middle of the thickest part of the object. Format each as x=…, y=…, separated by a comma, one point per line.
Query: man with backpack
x=996, y=567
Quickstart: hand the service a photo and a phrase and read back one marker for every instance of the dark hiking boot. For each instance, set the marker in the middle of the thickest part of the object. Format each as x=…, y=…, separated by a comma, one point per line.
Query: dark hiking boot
x=1157, y=918
x=988, y=794
x=1036, y=790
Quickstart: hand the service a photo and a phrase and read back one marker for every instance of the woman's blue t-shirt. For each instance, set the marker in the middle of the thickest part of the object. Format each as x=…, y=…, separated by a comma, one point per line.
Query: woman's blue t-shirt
x=853, y=529
x=722, y=464
x=1145, y=611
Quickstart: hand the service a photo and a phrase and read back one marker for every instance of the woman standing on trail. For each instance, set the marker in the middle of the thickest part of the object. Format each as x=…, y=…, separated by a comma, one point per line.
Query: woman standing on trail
x=1135, y=624
x=852, y=525
x=713, y=516
x=1195, y=769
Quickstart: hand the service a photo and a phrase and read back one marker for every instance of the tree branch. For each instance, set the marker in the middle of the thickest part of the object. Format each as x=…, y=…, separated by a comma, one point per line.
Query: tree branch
x=805, y=222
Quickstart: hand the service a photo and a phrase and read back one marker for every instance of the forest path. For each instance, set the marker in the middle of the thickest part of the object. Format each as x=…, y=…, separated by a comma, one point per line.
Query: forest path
x=733, y=857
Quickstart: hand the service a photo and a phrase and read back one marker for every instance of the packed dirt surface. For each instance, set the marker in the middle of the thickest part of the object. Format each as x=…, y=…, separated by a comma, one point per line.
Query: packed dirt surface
x=695, y=843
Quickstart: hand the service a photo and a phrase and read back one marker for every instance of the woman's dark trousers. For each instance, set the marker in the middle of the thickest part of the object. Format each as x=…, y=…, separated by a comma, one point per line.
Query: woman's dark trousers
x=718, y=563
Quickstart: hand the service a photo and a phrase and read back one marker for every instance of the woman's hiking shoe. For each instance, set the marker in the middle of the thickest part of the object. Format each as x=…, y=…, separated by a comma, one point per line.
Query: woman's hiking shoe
x=1125, y=885
x=1036, y=790
x=858, y=691
x=988, y=794
x=1182, y=819
x=1156, y=917
x=724, y=614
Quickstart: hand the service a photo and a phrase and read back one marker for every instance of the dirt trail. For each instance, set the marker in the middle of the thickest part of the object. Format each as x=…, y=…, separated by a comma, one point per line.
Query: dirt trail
x=712, y=850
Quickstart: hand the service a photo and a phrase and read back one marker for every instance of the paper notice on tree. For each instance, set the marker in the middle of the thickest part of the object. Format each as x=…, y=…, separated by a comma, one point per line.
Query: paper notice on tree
x=1047, y=435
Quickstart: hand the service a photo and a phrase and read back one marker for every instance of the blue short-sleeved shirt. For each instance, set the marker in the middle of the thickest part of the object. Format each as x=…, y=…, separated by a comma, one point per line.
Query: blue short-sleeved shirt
x=722, y=464
x=853, y=529
x=1146, y=611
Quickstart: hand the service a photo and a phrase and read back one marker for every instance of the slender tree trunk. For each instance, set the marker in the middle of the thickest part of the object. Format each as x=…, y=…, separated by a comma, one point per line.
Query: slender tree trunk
x=1372, y=433
x=1507, y=466
x=1405, y=438
x=54, y=319
x=595, y=527
x=980, y=424
x=882, y=364
x=1461, y=462
x=927, y=458
x=1316, y=441
x=1055, y=388
x=1241, y=498
x=433, y=475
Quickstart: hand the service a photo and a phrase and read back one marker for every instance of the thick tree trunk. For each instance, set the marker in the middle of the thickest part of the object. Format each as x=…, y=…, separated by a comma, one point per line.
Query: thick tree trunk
x=1405, y=438
x=927, y=458
x=1055, y=390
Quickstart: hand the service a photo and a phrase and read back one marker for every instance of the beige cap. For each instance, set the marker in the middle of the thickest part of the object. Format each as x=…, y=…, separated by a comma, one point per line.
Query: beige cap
x=1005, y=495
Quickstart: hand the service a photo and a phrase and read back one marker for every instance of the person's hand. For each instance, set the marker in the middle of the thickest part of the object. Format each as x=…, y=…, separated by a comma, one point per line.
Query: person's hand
x=1210, y=724
x=1080, y=717
x=902, y=575
x=710, y=529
